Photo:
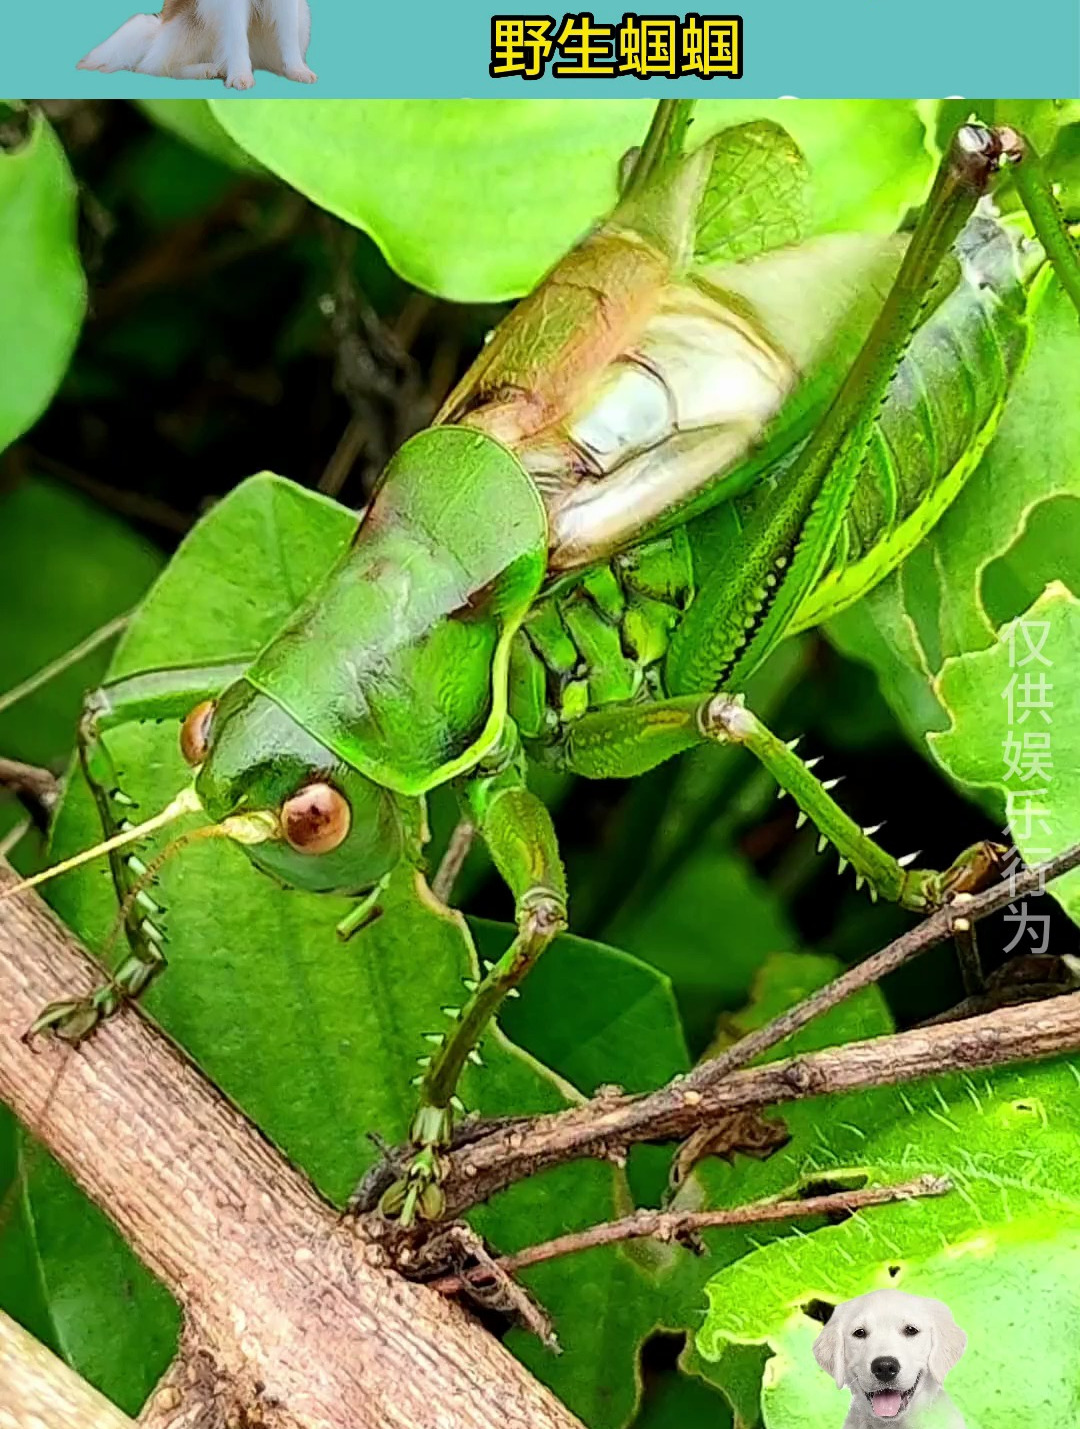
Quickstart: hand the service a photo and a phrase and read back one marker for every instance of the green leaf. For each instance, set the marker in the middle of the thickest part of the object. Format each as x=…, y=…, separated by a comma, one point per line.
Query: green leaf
x=678, y=1401
x=42, y=292
x=694, y=908
x=999, y=706
x=54, y=543
x=1013, y=1220
x=708, y=929
x=194, y=121
x=989, y=556
x=475, y=201
x=592, y=1013
x=58, y=1254
x=317, y=1041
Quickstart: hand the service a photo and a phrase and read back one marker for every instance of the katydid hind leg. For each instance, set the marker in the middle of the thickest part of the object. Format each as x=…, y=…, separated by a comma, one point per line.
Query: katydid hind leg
x=153, y=694
x=1051, y=229
x=632, y=739
x=519, y=834
x=744, y=609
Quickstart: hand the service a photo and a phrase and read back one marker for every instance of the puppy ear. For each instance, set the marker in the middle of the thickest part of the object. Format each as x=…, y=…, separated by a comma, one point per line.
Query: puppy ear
x=947, y=1342
x=829, y=1349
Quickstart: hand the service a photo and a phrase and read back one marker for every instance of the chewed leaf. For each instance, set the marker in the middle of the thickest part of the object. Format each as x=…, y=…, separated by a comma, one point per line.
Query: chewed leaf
x=1013, y=1220
x=756, y=196
x=1014, y=729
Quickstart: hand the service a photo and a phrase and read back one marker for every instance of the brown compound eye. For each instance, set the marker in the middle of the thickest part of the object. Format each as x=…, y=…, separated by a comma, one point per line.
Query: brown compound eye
x=316, y=819
x=195, y=732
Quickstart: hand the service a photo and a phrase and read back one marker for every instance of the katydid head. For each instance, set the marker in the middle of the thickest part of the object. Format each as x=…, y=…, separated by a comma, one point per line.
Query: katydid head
x=331, y=829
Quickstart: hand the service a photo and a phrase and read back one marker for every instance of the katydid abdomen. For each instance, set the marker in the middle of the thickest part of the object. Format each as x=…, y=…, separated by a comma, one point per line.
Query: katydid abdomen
x=942, y=411
x=606, y=637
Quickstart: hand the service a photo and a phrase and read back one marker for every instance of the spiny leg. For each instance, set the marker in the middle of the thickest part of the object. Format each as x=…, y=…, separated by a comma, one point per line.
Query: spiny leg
x=153, y=694
x=634, y=738
x=517, y=829
x=744, y=609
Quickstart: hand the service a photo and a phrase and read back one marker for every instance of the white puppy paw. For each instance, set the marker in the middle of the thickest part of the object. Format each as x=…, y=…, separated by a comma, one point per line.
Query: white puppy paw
x=301, y=74
x=239, y=79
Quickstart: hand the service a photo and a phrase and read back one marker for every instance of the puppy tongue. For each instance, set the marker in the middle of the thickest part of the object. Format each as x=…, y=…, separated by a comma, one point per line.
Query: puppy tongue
x=887, y=1403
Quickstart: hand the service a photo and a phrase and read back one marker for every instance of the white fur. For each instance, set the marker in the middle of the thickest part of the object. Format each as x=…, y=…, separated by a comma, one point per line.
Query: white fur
x=875, y=1326
x=212, y=39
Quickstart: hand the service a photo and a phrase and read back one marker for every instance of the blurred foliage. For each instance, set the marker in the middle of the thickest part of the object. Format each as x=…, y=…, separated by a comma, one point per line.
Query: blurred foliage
x=237, y=325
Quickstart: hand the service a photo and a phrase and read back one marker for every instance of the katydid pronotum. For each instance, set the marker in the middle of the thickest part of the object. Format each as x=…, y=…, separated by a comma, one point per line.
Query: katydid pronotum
x=663, y=462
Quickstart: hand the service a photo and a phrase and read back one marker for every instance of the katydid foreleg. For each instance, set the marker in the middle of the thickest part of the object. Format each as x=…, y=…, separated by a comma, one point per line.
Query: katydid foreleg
x=519, y=834
x=152, y=694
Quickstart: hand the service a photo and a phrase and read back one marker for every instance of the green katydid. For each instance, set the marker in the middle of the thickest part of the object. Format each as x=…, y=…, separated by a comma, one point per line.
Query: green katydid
x=651, y=475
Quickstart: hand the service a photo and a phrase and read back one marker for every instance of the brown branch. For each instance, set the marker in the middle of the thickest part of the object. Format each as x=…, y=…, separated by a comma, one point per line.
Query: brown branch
x=680, y=1225
x=293, y=1318
x=453, y=860
x=1016, y=1034
x=938, y=928
x=37, y=1391
x=40, y=785
x=605, y=1127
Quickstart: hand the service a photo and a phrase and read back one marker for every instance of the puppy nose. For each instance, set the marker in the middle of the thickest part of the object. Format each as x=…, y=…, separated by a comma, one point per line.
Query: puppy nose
x=885, y=1367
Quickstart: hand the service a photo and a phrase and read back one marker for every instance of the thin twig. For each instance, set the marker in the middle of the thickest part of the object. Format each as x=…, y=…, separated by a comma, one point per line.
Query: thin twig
x=8, y=844
x=679, y=1225
x=719, y=1087
x=934, y=930
x=453, y=860
x=40, y=785
x=62, y=662
x=377, y=377
x=1027, y=1033
x=343, y=458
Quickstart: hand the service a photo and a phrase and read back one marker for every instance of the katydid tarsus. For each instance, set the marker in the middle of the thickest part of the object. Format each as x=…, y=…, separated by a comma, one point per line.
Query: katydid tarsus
x=666, y=459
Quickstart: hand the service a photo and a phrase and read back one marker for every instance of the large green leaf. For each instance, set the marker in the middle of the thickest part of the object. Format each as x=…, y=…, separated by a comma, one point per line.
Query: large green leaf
x=1002, y=1249
x=931, y=630
x=42, y=293
x=682, y=895
x=316, y=1040
x=709, y=929
x=475, y=201
x=52, y=543
x=1014, y=729
x=676, y=1401
x=975, y=563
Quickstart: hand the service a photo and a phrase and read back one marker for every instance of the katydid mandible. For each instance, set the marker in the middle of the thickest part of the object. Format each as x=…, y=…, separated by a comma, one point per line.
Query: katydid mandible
x=663, y=462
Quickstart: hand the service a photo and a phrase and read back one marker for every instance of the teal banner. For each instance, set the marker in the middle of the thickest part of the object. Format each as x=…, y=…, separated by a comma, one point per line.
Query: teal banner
x=756, y=49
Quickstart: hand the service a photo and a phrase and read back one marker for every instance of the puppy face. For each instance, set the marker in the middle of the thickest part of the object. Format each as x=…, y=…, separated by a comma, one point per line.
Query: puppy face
x=890, y=1349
